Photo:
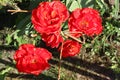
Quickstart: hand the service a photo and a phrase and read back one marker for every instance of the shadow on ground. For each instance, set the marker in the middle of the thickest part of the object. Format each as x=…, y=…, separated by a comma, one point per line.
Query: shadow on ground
x=85, y=68
x=73, y=64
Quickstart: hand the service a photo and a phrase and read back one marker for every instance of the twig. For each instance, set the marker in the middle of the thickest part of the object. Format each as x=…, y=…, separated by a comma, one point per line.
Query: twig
x=73, y=37
x=62, y=33
x=83, y=36
x=67, y=33
x=16, y=11
x=73, y=32
x=59, y=67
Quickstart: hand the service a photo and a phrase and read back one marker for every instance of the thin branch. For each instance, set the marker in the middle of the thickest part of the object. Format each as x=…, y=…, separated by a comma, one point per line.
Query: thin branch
x=73, y=32
x=83, y=36
x=16, y=11
x=59, y=67
x=78, y=40
x=68, y=33
x=62, y=33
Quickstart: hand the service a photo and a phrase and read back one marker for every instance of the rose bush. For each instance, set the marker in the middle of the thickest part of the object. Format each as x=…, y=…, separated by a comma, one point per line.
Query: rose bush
x=70, y=48
x=85, y=21
x=47, y=20
x=32, y=60
x=48, y=16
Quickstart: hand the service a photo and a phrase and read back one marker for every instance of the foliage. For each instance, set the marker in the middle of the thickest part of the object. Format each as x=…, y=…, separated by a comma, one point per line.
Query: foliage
x=4, y=72
x=104, y=45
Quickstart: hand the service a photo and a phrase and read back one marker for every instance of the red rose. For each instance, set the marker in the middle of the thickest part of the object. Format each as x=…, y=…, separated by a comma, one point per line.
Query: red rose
x=70, y=48
x=56, y=0
x=53, y=39
x=32, y=60
x=48, y=16
x=86, y=21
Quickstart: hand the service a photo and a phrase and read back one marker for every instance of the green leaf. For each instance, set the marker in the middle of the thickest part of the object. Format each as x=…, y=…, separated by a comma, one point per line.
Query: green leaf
x=8, y=39
x=68, y=3
x=87, y=3
x=74, y=5
x=103, y=6
x=5, y=71
x=114, y=66
x=116, y=9
x=3, y=2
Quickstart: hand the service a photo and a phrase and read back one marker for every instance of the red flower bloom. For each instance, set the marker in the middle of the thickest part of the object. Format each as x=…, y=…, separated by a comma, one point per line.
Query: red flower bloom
x=48, y=16
x=70, y=48
x=56, y=0
x=32, y=60
x=53, y=39
x=86, y=21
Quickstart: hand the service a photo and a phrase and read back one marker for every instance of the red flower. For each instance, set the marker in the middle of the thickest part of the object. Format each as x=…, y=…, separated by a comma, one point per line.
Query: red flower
x=53, y=39
x=56, y=0
x=86, y=21
x=32, y=60
x=48, y=16
x=70, y=48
